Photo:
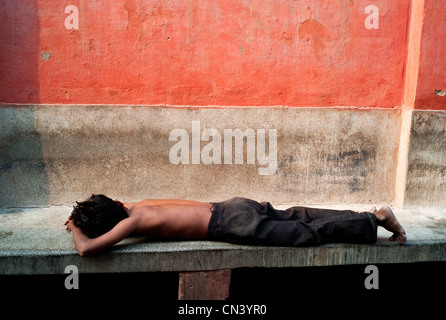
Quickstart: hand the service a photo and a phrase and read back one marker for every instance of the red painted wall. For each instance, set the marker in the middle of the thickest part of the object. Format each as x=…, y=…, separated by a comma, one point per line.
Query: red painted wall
x=19, y=51
x=432, y=71
x=223, y=52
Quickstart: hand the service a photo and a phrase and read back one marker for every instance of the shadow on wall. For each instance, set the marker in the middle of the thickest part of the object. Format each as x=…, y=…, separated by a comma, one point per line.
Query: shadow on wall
x=23, y=178
x=20, y=51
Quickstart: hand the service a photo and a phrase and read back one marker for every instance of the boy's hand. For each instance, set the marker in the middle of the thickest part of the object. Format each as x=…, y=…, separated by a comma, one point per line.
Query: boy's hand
x=69, y=223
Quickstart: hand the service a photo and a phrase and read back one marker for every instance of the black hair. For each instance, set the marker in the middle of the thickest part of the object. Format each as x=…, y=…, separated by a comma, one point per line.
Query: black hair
x=97, y=215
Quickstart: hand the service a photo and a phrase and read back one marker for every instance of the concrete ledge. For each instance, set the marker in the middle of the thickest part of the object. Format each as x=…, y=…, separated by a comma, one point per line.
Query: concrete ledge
x=34, y=241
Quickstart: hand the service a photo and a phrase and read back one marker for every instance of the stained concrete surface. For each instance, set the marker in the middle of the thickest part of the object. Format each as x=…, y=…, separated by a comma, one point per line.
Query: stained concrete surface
x=426, y=176
x=34, y=241
x=59, y=154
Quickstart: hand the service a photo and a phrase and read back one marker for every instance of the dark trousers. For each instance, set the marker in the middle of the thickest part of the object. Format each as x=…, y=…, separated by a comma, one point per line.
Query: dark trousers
x=245, y=221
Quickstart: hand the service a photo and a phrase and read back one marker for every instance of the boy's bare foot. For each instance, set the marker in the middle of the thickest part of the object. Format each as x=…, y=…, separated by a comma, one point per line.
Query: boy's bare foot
x=388, y=221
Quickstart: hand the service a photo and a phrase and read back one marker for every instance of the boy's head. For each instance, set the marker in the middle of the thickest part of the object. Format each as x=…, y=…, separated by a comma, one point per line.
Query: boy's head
x=97, y=215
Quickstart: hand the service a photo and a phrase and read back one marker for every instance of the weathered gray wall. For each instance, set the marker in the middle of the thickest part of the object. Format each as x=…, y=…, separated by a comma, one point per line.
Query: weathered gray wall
x=59, y=154
x=426, y=177
x=23, y=174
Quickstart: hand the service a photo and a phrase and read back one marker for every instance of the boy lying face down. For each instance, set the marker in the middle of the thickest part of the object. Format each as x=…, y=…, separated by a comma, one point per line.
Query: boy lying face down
x=100, y=222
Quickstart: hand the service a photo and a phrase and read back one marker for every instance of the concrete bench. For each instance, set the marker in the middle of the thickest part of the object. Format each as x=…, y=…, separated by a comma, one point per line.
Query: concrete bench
x=34, y=241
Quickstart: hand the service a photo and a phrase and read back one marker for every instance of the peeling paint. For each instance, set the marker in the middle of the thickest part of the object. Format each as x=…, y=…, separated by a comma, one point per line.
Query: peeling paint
x=312, y=30
x=45, y=55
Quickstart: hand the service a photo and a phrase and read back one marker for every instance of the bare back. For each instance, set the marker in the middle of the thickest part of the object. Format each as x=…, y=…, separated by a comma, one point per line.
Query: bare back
x=171, y=219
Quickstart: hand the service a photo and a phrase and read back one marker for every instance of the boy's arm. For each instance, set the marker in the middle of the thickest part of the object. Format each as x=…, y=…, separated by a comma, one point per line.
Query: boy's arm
x=88, y=246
